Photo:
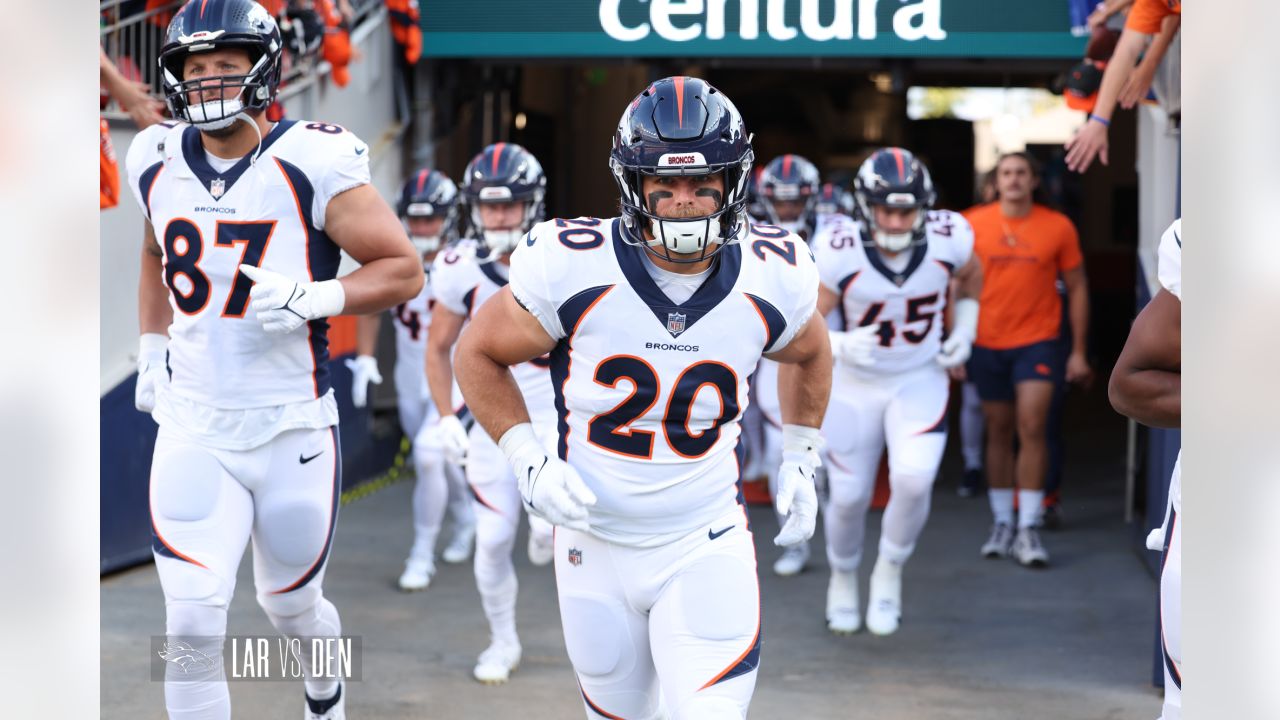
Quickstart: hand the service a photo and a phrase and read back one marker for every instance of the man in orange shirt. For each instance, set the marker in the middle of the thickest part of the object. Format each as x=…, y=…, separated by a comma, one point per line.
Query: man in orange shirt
x=1024, y=247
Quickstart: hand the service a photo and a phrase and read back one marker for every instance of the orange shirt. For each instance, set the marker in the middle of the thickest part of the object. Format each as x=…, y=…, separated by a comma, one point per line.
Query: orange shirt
x=1021, y=260
x=1146, y=16
x=109, y=187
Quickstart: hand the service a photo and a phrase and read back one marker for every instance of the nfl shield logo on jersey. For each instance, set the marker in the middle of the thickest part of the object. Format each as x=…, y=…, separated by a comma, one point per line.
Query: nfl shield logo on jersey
x=217, y=187
x=575, y=557
x=675, y=323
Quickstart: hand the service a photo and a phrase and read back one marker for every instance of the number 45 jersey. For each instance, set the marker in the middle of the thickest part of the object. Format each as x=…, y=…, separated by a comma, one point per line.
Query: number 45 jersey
x=269, y=212
x=649, y=392
x=907, y=299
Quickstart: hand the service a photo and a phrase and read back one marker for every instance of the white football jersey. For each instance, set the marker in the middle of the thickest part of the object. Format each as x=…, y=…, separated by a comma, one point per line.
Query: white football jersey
x=649, y=393
x=909, y=304
x=267, y=211
x=1169, y=268
x=1169, y=263
x=411, y=321
x=463, y=280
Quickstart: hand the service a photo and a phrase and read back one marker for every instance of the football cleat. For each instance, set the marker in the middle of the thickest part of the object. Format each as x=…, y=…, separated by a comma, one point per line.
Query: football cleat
x=417, y=574
x=497, y=663
x=844, y=617
x=793, y=561
x=884, y=604
x=333, y=708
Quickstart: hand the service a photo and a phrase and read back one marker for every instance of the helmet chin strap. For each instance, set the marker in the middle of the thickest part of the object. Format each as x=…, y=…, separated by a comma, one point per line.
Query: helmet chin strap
x=685, y=236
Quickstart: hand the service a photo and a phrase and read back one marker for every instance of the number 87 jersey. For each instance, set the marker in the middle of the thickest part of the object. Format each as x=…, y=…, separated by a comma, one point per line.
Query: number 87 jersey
x=649, y=392
x=905, y=296
x=209, y=217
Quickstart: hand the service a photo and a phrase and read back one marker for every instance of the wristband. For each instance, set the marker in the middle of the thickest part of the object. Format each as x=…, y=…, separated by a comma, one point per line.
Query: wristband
x=1105, y=122
x=330, y=298
x=800, y=439
x=965, y=319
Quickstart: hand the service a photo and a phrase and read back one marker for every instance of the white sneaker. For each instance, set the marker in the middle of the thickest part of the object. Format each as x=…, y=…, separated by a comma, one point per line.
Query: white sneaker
x=793, y=560
x=998, y=544
x=459, y=547
x=843, y=614
x=1027, y=549
x=417, y=574
x=332, y=709
x=884, y=604
x=541, y=548
x=497, y=663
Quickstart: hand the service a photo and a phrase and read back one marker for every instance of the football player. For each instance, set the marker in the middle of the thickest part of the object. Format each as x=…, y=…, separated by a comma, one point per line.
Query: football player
x=503, y=189
x=833, y=200
x=788, y=197
x=428, y=207
x=789, y=188
x=244, y=224
x=887, y=273
x=654, y=321
x=1146, y=385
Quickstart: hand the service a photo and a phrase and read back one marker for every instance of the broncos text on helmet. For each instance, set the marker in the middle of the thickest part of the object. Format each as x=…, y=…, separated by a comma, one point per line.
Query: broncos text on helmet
x=893, y=177
x=789, y=193
x=428, y=194
x=682, y=126
x=215, y=102
x=504, y=173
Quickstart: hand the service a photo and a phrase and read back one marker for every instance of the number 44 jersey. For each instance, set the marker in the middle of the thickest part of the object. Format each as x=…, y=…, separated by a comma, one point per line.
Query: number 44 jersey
x=209, y=217
x=906, y=296
x=649, y=392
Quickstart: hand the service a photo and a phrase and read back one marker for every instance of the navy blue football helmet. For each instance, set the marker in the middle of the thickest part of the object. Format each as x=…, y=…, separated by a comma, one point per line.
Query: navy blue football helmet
x=503, y=173
x=833, y=199
x=204, y=25
x=790, y=178
x=682, y=126
x=429, y=193
x=893, y=177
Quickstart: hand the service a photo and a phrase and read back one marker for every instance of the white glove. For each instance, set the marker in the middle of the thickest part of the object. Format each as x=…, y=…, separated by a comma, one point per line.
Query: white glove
x=550, y=487
x=453, y=439
x=364, y=370
x=283, y=305
x=797, y=498
x=857, y=346
x=152, y=373
x=959, y=343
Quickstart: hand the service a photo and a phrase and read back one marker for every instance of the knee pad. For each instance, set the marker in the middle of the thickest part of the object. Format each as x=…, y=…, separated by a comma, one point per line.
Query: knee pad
x=290, y=604
x=596, y=639
x=911, y=485
x=193, y=619
x=293, y=532
x=186, y=484
x=710, y=707
x=494, y=539
x=426, y=453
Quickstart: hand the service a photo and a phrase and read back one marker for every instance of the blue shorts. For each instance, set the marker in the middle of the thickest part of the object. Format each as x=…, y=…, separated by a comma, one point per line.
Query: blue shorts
x=995, y=372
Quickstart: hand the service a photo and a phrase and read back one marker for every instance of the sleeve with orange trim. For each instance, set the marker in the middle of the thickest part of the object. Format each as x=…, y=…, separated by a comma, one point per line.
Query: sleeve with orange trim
x=794, y=292
x=1069, y=255
x=1146, y=16
x=109, y=191
x=530, y=280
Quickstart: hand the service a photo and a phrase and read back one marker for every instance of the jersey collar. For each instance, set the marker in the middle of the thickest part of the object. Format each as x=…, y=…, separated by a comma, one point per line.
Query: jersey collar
x=873, y=257
x=193, y=153
x=678, y=318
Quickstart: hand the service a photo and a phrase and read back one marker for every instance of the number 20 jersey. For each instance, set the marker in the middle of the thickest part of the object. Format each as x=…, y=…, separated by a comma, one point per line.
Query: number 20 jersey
x=268, y=212
x=649, y=393
x=909, y=304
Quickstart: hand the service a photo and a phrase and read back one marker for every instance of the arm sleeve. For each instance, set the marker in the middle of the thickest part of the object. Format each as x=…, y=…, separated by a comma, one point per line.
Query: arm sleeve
x=530, y=284
x=347, y=167
x=828, y=259
x=1069, y=256
x=1169, y=263
x=139, y=162
x=803, y=299
x=448, y=282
